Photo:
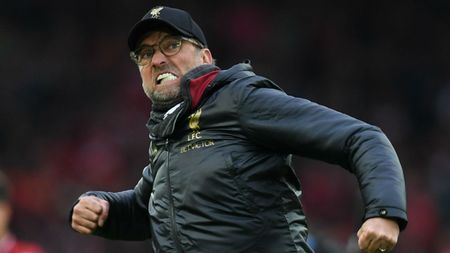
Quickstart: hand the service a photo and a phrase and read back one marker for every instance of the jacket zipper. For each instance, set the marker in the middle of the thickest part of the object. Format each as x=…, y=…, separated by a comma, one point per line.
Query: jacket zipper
x=171, y=204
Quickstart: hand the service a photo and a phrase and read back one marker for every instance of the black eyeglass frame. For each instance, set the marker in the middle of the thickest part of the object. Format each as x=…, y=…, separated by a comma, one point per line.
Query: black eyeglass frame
x=142, y=61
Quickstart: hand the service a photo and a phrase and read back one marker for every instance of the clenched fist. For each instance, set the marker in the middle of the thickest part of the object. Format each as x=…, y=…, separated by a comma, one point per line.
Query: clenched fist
x=378, y=235
x=89, y=213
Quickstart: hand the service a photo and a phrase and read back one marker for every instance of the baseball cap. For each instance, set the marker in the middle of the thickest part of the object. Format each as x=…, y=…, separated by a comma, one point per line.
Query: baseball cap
x=158, y=17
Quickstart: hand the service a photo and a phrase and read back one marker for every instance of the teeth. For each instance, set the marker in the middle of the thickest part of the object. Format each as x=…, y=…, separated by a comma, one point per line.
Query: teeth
x=165, y=77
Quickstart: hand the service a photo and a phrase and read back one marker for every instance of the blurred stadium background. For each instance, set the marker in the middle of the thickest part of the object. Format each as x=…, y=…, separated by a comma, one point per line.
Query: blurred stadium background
x=73, y=114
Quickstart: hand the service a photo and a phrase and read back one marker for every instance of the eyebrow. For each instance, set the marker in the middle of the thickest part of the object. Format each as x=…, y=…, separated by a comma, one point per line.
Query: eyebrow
x=142, y=44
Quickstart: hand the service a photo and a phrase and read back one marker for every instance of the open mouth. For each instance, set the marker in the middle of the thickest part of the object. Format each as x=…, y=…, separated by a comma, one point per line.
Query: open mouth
x=165, y=77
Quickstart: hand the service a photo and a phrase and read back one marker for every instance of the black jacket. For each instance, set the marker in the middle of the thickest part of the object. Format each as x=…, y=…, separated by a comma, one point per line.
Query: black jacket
x=220, y=177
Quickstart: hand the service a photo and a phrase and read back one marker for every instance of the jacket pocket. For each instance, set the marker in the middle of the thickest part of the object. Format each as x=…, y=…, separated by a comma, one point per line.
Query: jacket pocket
x=244, y=192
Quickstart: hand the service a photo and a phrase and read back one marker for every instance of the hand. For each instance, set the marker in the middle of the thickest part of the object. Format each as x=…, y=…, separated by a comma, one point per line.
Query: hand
x=89, y=213
x=378, y=235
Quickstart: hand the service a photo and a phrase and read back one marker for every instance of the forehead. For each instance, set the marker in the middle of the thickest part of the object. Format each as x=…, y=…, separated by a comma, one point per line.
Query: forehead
x=153, y=37
x=156, y=35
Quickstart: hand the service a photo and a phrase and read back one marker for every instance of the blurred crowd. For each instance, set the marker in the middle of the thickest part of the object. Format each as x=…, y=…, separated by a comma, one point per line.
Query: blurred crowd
x=73, y=114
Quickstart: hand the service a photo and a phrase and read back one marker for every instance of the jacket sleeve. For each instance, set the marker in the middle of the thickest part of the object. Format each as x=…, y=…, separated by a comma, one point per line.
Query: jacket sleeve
x=294, y=125
x=128, y=218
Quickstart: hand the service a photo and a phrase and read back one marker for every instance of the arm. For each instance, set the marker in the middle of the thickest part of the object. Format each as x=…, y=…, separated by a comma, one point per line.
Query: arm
x=115, y=215
x=293, y=125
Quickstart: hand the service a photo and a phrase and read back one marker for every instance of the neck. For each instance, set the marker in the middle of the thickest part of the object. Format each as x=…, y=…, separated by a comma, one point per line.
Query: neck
x=163, y=106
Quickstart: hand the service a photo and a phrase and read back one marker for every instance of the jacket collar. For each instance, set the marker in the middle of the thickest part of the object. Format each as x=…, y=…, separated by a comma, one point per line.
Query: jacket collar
x=195, y=82
x=203, y=80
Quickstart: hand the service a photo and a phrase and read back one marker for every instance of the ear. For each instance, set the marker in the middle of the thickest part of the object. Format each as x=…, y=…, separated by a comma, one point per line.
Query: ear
x=206, y=56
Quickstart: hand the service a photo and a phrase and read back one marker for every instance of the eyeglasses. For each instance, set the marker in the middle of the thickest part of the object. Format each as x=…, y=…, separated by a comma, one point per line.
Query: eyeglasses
x=169, y=46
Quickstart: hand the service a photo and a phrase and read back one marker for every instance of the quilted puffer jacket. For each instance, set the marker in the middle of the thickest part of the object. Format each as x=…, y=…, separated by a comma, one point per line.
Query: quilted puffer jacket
x=220, y=177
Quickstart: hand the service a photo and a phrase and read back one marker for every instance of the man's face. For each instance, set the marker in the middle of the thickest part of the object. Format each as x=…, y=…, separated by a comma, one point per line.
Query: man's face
x=161, y=77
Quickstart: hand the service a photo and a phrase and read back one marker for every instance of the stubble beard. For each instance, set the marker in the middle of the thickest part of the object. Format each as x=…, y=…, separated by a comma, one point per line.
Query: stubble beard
x=164, y=95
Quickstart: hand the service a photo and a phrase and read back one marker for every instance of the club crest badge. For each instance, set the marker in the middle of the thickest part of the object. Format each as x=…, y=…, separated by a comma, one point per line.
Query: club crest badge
x=195, y=139
x=194, y=120
x=155, y=12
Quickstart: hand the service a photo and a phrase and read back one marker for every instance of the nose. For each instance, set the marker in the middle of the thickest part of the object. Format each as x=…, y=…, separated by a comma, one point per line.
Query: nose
x=158, y=58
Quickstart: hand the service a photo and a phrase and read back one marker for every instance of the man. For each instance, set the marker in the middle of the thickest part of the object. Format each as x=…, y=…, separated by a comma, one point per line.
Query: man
x=8, y=242
x=220, y=177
